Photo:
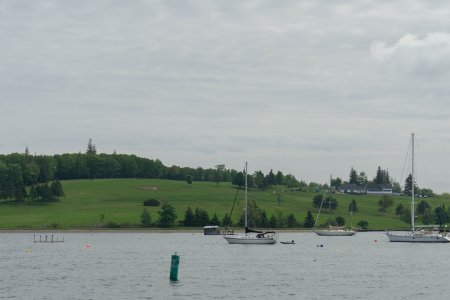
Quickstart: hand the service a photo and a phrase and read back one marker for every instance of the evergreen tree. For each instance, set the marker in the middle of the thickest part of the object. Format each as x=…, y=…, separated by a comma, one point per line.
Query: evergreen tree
x=57, y=190
x=353, y=177
x=264, y=222
x=291, y=221
x=91, y=148
x=382, y=177
x=273, y=222
x=317, y=201
x=238, y=179
x=408, y=186
x=167, y=216
x=385, y=202
x=271, y=178
x=399, y=210
x=353, y=207
x=362, y=179
x=189, y=218
x=422, y=207
x=279, y=178
x=227, y=220
x=201, y=217
x=215, y=220
x=441, y=215
x=309, y=220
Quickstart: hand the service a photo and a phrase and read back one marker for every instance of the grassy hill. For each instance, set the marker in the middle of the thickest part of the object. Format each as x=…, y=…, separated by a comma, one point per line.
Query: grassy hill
x=121, y=202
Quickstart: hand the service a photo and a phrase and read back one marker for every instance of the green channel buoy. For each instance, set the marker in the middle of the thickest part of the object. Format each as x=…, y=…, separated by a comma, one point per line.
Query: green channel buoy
x=174, y=267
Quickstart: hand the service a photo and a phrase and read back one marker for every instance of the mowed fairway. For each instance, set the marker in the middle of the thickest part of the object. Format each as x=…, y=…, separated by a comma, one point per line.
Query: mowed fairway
x=121, y=201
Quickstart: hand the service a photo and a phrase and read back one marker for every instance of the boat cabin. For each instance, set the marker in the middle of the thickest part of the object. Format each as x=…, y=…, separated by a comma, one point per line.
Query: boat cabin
x=211, y=230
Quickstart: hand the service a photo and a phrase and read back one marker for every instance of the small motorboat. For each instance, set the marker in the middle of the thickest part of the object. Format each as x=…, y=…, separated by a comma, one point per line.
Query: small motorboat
x=288, y=242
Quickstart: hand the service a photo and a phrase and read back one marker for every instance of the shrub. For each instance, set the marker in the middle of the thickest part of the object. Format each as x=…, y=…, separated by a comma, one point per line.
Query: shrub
x=363, y=224
x=151, y=202
x=340, y=221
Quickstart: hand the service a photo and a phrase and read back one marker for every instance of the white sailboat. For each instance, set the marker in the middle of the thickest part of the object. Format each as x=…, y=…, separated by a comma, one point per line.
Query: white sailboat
x=331, y=230
x=251, y=236
x=417, y=236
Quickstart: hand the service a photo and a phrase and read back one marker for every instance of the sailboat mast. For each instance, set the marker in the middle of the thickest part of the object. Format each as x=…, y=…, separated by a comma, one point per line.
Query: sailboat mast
x=246, y=201
x=329, y=204
x=412, y=182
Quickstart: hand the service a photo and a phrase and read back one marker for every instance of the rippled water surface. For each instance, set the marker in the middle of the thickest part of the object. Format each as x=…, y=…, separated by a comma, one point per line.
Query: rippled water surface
x=136, y=266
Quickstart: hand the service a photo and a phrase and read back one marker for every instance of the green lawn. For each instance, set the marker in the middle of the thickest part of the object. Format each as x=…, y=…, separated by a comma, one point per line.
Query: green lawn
x=120, y=200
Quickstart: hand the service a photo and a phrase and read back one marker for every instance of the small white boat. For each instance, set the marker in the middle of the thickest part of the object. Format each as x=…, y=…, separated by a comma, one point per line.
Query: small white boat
x=331, y=230
x=269, y=237
x=334, y=232
x=417, y=236
x=288, y=242
x=251, y=236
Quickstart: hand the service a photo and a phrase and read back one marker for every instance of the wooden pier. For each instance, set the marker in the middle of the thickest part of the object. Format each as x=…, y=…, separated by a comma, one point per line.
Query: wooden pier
x=48, y=239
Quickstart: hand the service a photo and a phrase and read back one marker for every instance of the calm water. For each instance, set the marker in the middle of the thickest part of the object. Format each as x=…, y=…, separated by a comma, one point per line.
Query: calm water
x=136, y=266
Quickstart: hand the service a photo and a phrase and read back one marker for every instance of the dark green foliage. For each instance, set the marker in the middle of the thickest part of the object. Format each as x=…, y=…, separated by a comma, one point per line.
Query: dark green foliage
x=406, y=217
x=214, y=220
x=353, y=207
x=290, y=181
x=408, y=186
x=399, y=210
x=91, y=149
x=385, y=202
x=146, y=220
x=201, y=217
x=167, y=216
x=340, y=221
x=330, y=201
x=188, y=217
x=336, y=182
x=44, y=193
x=264, y=222
x=219, y=175
x=226, y=221
x=363, y=224
x=189, y=179
x=111, y=224
x=239, y=179
x=271, y=178
x=427, y=192
x=273, y=222
x=317, y=201
x=57, y=189
x=382, y=177
x=151, y=202
x=353, y=177
x=441, y=215
x=291, y=221
x=279, y=178
x=260, y=181
x=309, y=220
x=422, y=207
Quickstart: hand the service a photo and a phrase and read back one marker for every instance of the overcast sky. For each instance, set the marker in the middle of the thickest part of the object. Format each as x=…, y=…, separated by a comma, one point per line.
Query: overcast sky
x=310, y=88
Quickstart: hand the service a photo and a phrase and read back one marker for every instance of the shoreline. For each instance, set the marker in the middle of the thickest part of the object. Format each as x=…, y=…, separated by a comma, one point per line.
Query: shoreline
x=156, y=230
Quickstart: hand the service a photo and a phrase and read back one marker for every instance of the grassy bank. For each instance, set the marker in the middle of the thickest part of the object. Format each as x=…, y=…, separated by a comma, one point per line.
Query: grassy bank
x=121, y=202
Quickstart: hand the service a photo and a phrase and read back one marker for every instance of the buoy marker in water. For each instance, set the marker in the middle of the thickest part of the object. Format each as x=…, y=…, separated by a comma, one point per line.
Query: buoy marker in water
x=174, y=267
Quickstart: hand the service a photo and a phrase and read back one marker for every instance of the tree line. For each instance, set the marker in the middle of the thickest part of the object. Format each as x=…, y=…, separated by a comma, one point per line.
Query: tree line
x=382, y=177
x=19, y=171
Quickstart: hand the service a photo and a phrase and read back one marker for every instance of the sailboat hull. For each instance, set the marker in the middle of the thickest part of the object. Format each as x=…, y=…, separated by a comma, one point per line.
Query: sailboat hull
x=418, y=238
x=326, y=232
x=232, y=239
